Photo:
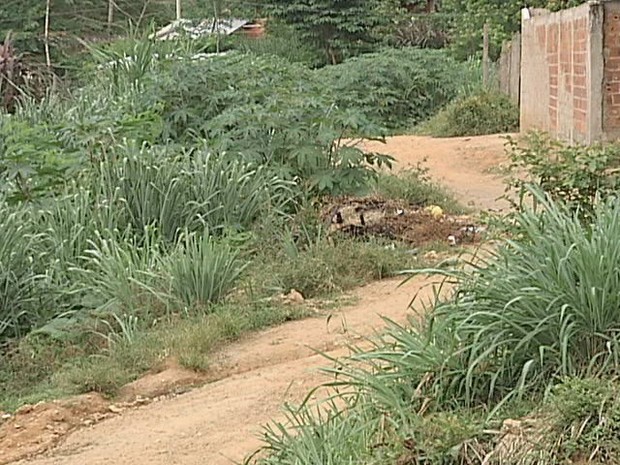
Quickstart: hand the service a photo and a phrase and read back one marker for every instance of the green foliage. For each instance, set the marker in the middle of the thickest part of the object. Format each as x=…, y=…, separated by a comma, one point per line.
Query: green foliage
x=585, y=418
x=327, y=437
x=542, y=307
x=503, y=17
x=42, y=368
x=282, y=41
x=478, y=114
x=576, y=175
x=397, y=88
x=340, y=28
x=415, y=186
x=23, y=284
x=203, y=271
x=325, y=266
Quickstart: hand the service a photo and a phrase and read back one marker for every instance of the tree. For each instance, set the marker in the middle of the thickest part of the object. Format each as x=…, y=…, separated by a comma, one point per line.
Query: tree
x=503, y=16
x=338, y=27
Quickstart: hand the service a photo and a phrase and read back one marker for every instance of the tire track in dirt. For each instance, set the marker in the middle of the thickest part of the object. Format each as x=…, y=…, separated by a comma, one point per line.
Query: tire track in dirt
x=219, y=423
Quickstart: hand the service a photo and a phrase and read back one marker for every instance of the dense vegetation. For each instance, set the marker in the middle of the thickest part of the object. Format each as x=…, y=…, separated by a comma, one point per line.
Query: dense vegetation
x=137, y=196
x=154, y=202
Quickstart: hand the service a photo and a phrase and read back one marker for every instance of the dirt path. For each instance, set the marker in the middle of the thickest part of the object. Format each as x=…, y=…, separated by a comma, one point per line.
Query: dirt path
x=220, y=422
x=464, y=165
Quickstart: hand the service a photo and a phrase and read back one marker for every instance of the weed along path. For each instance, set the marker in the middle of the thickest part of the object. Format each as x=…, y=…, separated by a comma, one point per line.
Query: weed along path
x=220, y=423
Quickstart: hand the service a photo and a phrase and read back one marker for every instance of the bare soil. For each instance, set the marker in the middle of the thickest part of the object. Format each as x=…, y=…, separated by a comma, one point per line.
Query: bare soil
x=220, y=422
x=465, y=165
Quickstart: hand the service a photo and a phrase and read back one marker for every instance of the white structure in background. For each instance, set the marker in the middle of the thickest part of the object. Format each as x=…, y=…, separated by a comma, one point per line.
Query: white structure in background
x=195, y=29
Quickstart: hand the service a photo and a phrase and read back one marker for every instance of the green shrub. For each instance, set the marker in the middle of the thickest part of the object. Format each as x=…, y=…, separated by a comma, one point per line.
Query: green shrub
x=284, y=42
x=320, y=265
x=396, y=88
x=584, y=420
x=415, y=187
x=576, y=175
x=474, y=115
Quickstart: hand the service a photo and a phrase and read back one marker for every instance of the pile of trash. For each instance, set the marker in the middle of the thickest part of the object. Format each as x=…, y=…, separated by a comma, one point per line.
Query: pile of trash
x=398, y=221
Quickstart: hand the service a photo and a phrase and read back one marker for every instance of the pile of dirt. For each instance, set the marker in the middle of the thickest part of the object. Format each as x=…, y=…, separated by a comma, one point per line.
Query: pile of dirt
x=397, y=221
x=34, y=428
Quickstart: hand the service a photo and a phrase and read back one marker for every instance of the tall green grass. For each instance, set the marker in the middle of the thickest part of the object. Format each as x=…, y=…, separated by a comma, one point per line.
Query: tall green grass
x=114, y=243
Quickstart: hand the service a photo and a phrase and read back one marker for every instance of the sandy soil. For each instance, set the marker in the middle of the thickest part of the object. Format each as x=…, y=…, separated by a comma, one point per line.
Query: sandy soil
x=464, y=165
x=220, y=422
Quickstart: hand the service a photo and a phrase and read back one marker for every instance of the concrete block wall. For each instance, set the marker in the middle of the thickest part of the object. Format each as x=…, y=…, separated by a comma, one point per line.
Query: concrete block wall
x=509, y=68
x=562, y=73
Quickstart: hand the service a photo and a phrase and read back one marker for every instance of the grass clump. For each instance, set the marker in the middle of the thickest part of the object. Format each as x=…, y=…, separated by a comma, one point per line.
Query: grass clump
x=486, y=112
x=104, y=358
x=414, y=186
x=332, y=266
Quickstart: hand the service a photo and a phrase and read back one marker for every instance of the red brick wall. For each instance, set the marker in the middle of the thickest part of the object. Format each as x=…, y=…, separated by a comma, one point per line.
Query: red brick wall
x=565, y=45
x=556, y=74
x=611, y=71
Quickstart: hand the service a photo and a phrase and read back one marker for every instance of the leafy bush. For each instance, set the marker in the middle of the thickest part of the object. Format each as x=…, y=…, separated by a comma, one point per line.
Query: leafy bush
x=321, y=266
x=284, y=42
x=584, y=420
x=339, y=28
x=576, y=175
x=474, y=115
x=396, y=88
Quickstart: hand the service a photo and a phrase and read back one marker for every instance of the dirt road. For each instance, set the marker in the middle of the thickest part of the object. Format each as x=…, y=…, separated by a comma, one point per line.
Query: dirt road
x=220, y=422
x=464, y=165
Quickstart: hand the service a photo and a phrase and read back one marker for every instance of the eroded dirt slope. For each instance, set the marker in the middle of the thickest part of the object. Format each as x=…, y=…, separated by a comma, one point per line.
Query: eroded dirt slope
x=220, y=422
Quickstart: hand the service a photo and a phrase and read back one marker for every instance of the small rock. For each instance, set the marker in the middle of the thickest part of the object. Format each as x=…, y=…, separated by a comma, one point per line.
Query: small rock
x=115, y=409
x=88, y=422
x=18, y=426
x=5, y=416
x=432, y=255
x=451, y=240
x=295, y=297
x=24, y=409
